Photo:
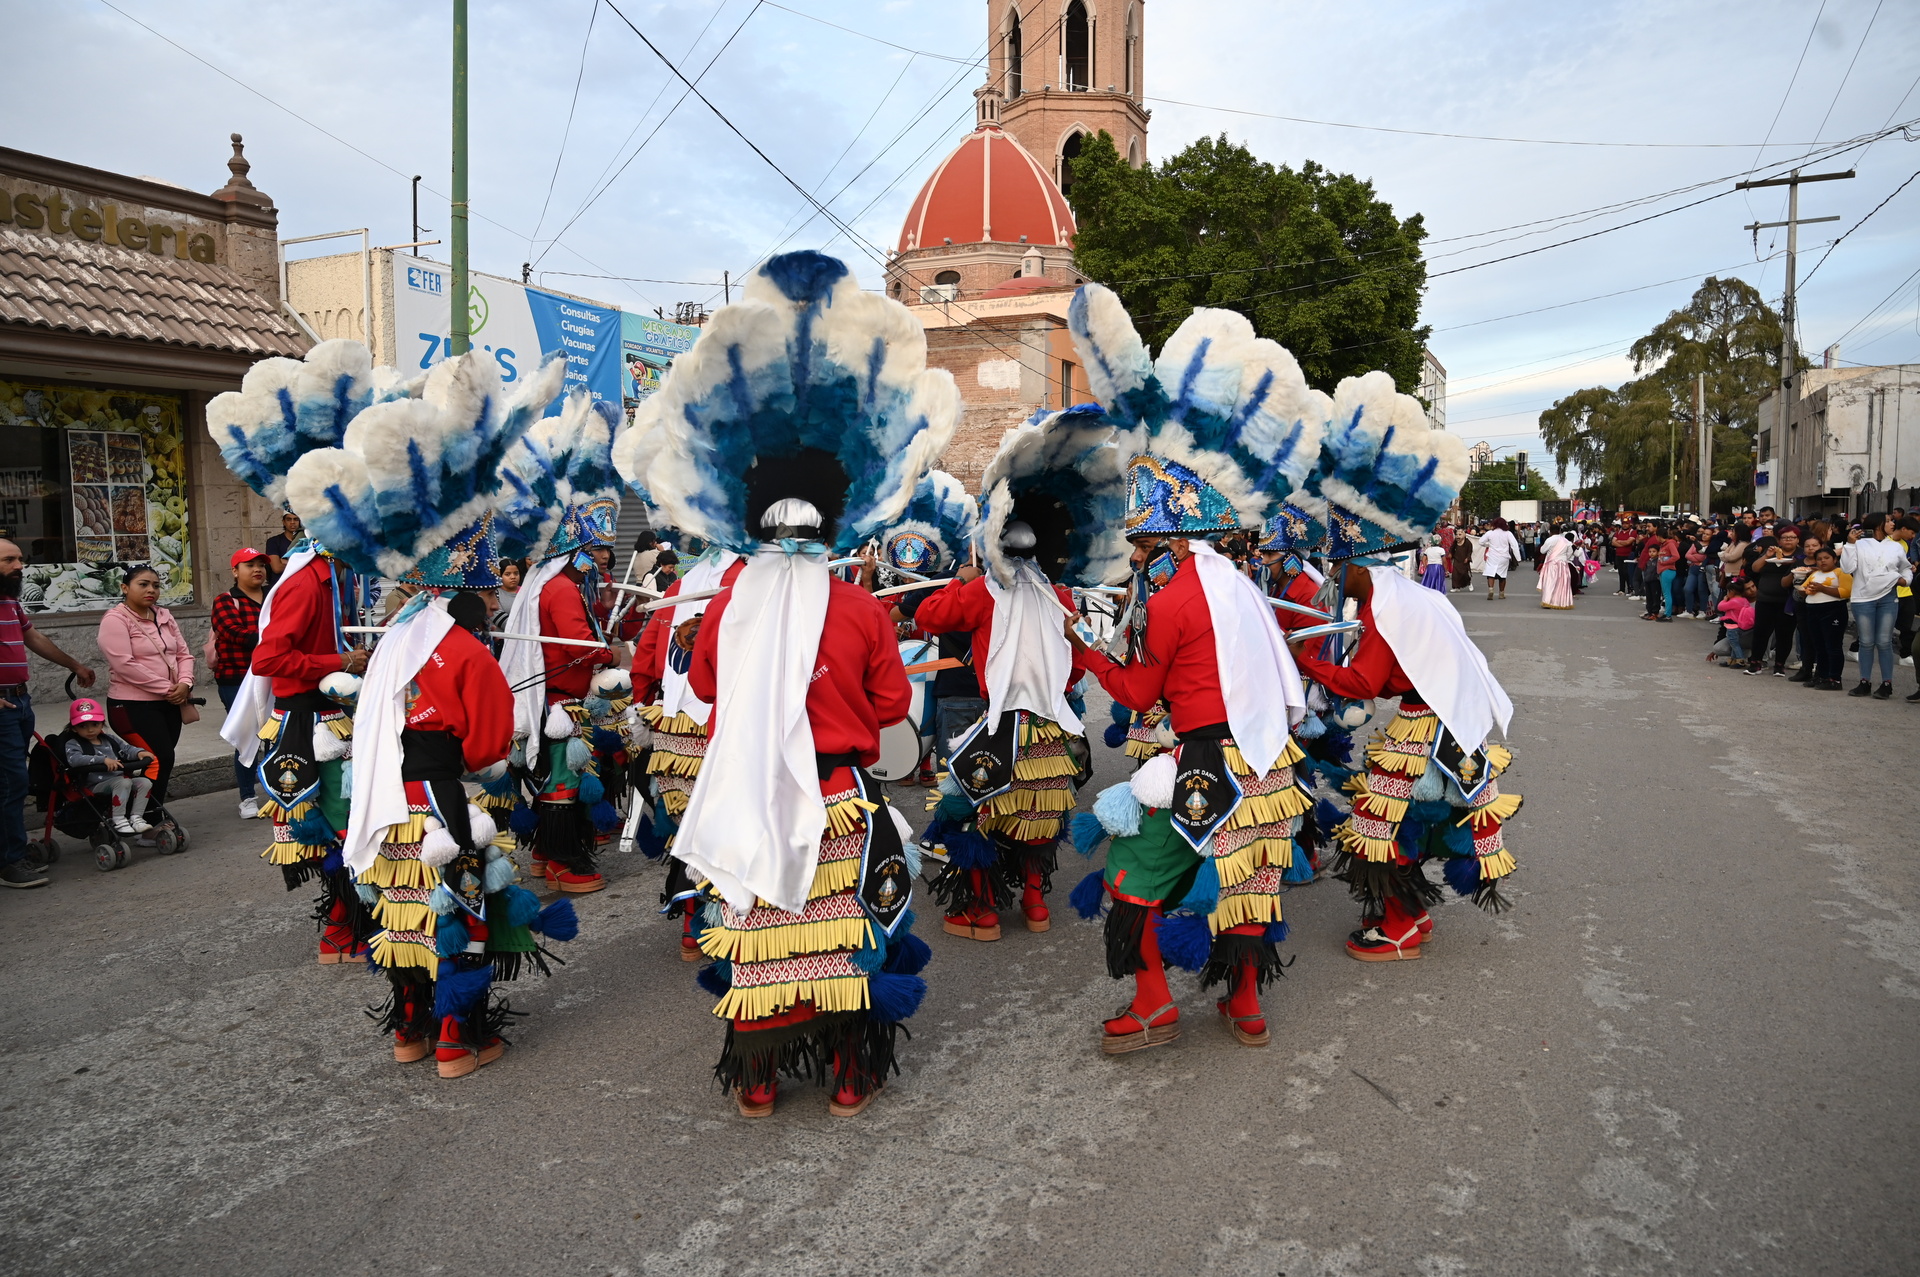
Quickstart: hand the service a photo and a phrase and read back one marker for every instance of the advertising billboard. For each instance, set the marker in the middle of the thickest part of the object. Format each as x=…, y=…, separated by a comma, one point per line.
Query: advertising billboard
x=647, y=348
x=513, y=324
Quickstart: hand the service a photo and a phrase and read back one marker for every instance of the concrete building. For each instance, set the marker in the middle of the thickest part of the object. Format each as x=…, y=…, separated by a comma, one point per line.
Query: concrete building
x=125, y=304
x=1853, y=443
x=1433, y=389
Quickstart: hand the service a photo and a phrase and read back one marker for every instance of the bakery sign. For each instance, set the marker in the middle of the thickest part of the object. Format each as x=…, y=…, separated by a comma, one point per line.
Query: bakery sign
x=51, y=211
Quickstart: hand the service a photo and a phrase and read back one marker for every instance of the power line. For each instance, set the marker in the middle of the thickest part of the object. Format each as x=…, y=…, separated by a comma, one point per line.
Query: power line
x=1848, y=73
x=1897, y=290
x=593, y=12
x=1856, y=226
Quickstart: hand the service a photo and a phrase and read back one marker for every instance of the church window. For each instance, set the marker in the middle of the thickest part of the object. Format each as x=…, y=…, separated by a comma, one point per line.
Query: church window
x=1079, y=48
x=1013, y=57
x=947, y=277
x=1068, y=153
x=1131, y=48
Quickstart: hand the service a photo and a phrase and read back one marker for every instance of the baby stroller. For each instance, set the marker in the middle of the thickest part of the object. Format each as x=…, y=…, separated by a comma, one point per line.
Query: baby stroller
x=79, y=813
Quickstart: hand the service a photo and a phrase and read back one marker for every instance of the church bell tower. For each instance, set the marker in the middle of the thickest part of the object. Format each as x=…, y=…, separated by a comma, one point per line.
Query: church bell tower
x=1065, y=70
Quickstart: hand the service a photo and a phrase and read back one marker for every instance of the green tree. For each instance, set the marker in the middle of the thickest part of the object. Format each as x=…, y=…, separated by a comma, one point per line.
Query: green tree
x=1314, y=259
x=1619, y=439
x=1500, y=481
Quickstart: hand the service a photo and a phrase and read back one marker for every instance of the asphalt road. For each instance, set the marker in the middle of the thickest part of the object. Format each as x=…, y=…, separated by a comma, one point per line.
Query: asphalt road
x=1691, y=1048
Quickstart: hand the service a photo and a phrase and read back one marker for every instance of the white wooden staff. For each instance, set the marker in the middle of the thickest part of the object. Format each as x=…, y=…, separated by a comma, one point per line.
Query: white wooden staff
x=499, y=634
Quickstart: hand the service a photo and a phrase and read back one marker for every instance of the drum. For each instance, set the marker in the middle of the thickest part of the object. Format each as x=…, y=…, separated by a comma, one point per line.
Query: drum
x=904, y=744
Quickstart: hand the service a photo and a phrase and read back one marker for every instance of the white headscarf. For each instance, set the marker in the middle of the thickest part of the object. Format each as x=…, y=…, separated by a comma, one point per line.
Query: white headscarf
x=379, y=795
x=1258, y=680
x=254, y=703
x=1430, y=642
x=1028, y=658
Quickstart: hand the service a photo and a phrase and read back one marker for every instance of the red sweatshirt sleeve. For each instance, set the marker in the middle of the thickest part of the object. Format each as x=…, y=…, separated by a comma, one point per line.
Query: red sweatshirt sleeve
x=701, y=679
x=959, y=605
x=463, y=691
x=297, y=646
x=1375, y=671
x=563, y=614
x=1139, y=685
x=886, y=677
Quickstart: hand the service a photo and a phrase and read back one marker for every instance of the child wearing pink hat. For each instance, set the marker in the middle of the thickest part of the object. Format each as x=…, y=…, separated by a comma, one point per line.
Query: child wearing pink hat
x=102, y=763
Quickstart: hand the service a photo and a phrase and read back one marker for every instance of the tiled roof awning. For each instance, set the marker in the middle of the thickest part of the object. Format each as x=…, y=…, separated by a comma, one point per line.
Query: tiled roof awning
x=103, y=291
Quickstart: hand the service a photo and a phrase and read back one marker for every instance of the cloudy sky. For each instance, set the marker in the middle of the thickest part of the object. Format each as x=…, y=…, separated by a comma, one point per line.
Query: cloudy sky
x=856, y=100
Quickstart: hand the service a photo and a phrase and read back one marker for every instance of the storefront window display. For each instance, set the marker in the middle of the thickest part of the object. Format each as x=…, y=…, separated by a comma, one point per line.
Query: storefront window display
x=93, y=479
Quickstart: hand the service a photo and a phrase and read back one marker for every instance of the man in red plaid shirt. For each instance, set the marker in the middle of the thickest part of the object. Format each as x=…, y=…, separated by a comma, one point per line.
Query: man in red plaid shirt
x=236, y=631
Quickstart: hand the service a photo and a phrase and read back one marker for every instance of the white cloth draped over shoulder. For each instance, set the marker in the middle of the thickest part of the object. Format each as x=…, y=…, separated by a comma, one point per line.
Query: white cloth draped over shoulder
x=525, y=664
x=706, y=573
x=253, y=704
x=1029, y=659
x=1430, y=642
x=1258, y=680
x=754, y=823
x=379, y=795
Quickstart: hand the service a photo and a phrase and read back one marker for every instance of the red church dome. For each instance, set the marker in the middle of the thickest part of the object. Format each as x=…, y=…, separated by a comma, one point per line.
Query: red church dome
x=990, y=188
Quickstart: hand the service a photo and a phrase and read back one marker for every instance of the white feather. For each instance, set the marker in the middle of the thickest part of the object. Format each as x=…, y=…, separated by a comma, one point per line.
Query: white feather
x=1152, y=785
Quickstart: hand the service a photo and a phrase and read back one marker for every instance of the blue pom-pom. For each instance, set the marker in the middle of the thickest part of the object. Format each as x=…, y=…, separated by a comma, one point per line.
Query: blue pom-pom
x=1326, y=816
x=1300, y=870
x=460, y=993
x=591, y=790
x=648, y=839
x=969, y=849
x=1310, y=729
x=605, y=816
x=579, y=754
x=597, y=707
x=1204, y=896
x=911, y=850
x=1431, y=787
x=871, y=957
x=1462, y=874
x=451, y=937
x=1122, y=716
x=1089, y=895
x=499, y=786
x=895, y=997
x=557, y=921
x=369, y=896
x=906, y=954
x=441, y=901
x=1118, y=810
x=1457, y=838
x=1185, y=940
x=1087, y=832
x=524, y=822
x=1428, y=813
x=716, y=978
x=1276, y=933
x=953, y=807
x=1338, y=747
x=499, y=874
x=1115, y=736
x=521, y=906
x=313, y=829
x=608, y=741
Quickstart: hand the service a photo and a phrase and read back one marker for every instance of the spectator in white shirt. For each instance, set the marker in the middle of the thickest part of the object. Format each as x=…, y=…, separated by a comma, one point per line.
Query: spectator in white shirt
x=1877, y=565
x=1502, y=550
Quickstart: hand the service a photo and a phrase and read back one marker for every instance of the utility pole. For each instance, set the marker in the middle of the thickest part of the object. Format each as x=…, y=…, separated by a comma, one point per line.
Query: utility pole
x=416, y=215
x=726, y=288
x=1670, y=476
x=1703, y=450
x=460, y=339
x=1789, y=315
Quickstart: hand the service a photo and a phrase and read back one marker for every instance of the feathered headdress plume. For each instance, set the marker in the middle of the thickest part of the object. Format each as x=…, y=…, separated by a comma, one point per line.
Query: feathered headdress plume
x=808, y=387
x=939, y=526
x=1220, y=429
x=1387, y=478
x=286, y=408
x=1060, y=474
x=412, y=474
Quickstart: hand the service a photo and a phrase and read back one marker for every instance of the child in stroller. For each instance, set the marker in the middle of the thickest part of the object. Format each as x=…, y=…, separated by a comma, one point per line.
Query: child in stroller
x=100, y=763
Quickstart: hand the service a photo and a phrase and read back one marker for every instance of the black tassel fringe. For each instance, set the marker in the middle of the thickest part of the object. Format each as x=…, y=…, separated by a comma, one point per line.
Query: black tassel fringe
x=1232, y=953
x=1018, y=859
x=846, y=1048
x=1127, y=924
x=959, y=890
x=409, y=1004
x=565, y=835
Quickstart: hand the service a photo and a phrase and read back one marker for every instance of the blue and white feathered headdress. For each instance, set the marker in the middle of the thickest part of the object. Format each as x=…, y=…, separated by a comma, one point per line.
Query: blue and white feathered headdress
x=1386, y=477
x=412, y=475
x=1060, y=474
x=939, y=526
x=558, y=490
x=1219, y=430
x=807, y=387
x=286, y=408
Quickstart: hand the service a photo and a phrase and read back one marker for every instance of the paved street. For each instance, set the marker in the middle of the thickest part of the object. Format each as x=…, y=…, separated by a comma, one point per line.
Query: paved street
x=1691, y=1048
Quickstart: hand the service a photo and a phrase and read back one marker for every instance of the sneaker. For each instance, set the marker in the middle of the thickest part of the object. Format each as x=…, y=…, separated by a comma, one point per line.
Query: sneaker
x=1913, y=699
x=1779, y=671
x=121, y=825
x=18, y=875
x=249, y=809
x=1863, y=689
x=139, y=823
x=1907, y=661
x=1750, y=669
x=1884, y=692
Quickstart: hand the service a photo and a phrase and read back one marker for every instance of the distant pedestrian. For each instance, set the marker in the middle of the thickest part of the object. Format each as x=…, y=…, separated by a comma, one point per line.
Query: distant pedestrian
x=17, y=638
x=1878, y=564
x=236, y=632
x=1434, y=574
x=1502, y=551
x=1823, y=632
x=150, y=670
x=280, y=545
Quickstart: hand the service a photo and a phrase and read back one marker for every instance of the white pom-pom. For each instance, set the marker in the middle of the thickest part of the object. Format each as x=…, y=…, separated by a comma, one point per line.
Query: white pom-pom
x=559, y=723
x=608, y=682
x=481, y=825
x=438, y=848
x=327, y=746
x=1153, y=783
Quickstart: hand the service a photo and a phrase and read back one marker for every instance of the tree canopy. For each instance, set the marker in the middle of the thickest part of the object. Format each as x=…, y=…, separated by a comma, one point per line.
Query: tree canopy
x=1619, y=438
x=1313, y=258
x=1499, y=481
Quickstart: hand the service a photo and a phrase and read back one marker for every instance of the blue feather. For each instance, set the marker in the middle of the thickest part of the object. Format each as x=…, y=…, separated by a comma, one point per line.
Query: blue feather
x=1185, y=941
x=524, y=821
x=460, y=993
x=1458, y=839
x=605, y=816
x=591, y=790
x=1326, y=816
x=1204, y=896
x=1118, y=811
x=907, y=954
x=895, y=997
x=805, y=276
x=451, y=937
x=521, y=906
x=557, y=921
x=1087, y=832
x=716, y=978
x=1089, y=895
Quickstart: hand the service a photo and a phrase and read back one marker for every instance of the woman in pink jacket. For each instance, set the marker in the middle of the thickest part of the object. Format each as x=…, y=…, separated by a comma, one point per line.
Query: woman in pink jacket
x=150, y=675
